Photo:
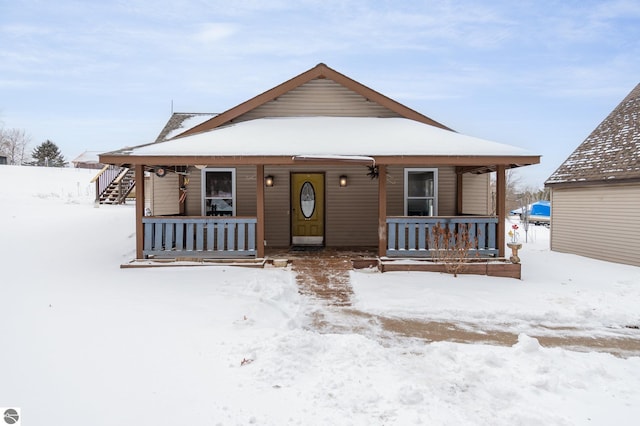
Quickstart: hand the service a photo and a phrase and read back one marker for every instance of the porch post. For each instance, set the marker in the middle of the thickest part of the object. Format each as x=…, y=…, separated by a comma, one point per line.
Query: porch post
x=139, y=176
x=501, y=198
x=459, y=193
x=382, y=210
x=260, y=210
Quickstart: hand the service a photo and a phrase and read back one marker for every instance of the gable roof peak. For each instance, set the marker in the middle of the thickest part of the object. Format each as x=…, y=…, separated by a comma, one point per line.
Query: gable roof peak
x=611, y=152
x=319, y=71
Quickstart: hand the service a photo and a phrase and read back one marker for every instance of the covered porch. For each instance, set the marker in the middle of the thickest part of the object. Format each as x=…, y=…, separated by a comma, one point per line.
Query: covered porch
x=185, y=236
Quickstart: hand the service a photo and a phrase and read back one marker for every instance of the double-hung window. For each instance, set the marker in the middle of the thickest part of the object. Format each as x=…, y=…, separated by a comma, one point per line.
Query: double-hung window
x=218, y=192
x=421, y=192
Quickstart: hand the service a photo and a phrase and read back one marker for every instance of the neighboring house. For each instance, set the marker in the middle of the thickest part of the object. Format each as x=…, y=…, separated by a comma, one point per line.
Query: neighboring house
x=595, y=193
x=88, y=160
x=317, y=160
x=3, y=159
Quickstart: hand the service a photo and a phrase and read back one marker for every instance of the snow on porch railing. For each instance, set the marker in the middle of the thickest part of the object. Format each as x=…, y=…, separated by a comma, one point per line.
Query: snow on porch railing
x=199, y=237
x=413, y=236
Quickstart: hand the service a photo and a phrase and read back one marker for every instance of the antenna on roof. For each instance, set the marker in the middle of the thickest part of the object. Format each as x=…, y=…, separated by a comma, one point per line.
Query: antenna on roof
x=172, y=106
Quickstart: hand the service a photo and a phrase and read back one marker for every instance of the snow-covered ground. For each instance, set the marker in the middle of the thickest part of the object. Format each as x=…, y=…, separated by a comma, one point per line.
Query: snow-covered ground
x=88, y=343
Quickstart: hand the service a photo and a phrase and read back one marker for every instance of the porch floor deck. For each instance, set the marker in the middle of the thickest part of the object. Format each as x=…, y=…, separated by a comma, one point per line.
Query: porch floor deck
x=326, y=264
x=364, y=257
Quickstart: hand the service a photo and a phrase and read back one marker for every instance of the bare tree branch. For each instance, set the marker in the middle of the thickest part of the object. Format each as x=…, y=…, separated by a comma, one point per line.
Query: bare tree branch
x=13, y=145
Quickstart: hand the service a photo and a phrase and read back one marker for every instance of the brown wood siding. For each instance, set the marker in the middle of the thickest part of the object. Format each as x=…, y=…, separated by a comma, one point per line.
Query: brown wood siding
x=351, y=215
x=352, y=211
x=148, y=199
x=193, y=203
x=600, y=222
x=276, y=208
x=319, y=97
x=476, y=194
x=446, y=190
x=165, y=195
x=246, y=190
x=395, y=191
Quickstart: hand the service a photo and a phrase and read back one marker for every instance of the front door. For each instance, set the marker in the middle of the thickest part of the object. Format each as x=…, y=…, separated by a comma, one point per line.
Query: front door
x=307, y=208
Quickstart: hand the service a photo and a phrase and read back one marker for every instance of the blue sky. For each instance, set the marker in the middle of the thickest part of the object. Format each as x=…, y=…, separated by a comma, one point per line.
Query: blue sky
x=100, y=75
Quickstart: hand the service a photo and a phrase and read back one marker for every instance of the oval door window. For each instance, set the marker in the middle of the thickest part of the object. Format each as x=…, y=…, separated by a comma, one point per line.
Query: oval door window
x=307, y=199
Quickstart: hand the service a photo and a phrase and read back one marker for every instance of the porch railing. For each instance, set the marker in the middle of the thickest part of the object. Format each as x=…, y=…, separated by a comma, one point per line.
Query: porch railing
x=199, y=237
x=413, y=236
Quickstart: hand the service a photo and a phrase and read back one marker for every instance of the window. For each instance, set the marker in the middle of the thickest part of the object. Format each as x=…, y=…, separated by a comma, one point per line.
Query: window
x=219, y=192
x=421, y=192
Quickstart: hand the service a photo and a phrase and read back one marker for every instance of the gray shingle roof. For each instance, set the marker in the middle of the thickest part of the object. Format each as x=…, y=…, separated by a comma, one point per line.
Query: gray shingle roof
x=180, y=122
x=610, y=152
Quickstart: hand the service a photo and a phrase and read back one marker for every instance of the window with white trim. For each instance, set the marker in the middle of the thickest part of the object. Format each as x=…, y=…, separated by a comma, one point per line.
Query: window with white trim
x=218, y=192
x=421, y=192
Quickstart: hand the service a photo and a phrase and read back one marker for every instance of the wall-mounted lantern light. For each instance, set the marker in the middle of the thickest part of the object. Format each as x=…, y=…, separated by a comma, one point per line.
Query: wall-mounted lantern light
x=268, y=181
x=343, y=181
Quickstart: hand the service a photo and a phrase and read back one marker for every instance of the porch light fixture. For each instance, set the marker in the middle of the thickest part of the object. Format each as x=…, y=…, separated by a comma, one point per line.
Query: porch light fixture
x=268, y=181
x=161, y=171
x=343, y=181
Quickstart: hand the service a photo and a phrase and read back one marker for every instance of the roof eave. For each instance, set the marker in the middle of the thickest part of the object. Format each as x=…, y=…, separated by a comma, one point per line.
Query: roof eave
x=473, y=162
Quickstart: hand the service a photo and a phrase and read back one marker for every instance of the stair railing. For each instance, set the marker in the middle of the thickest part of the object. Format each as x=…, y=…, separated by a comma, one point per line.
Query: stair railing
x=124, y=188
x=104, y=178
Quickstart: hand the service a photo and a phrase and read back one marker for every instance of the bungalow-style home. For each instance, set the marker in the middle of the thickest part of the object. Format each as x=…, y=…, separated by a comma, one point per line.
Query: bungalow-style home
x=319, y=160
x=595, y=193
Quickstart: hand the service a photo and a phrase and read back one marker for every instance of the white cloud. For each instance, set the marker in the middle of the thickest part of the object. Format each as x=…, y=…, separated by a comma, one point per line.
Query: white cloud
x=214, y=32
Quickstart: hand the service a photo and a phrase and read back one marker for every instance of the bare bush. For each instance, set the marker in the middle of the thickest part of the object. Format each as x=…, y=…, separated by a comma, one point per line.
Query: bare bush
x=452, y=248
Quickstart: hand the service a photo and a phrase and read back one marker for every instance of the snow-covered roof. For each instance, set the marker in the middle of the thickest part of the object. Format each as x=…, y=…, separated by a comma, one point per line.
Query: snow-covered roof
x=328, y=136
x=87, y=157
x=611, y=152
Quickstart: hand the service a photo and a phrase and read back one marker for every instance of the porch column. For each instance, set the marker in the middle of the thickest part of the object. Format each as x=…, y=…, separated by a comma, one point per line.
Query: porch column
x=139, y=176
x=260, y=210
x=459, y=193
x=382, y=210
x=501, y=202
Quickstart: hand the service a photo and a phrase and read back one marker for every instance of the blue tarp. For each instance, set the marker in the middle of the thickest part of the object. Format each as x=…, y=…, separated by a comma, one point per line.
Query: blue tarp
x=539, y=208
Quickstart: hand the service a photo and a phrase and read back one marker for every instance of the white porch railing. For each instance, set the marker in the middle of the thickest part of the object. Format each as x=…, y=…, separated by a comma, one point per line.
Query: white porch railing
x=199, y=237
x=413, y=236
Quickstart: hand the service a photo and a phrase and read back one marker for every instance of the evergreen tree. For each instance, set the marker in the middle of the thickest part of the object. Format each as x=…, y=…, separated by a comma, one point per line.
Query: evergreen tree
x=47, y=154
